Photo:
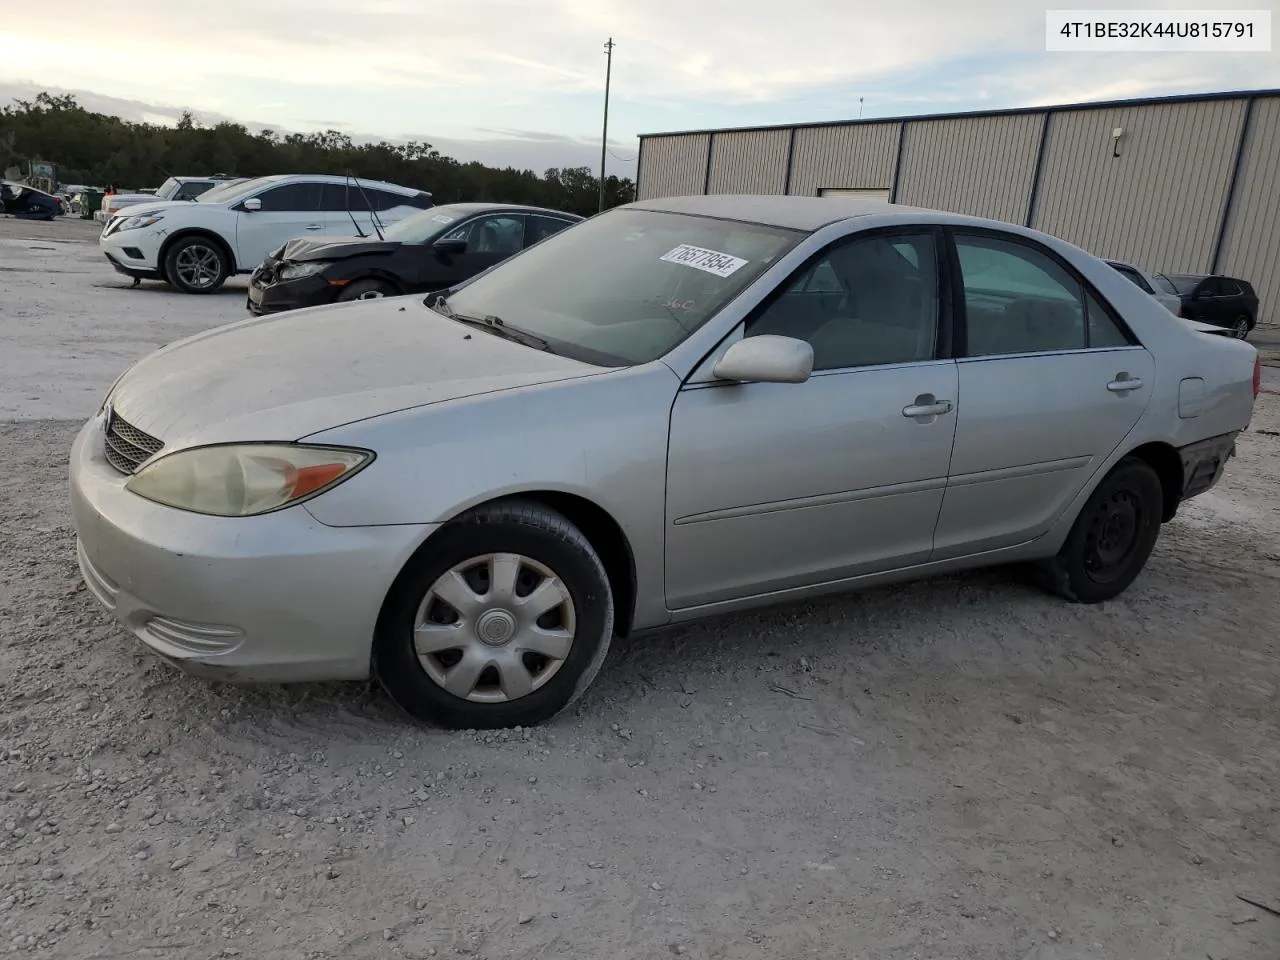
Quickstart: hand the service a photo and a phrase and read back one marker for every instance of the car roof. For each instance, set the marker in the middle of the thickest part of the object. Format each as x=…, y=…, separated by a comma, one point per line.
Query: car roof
x=801, y=213
x=470, y=207
x=274, y=179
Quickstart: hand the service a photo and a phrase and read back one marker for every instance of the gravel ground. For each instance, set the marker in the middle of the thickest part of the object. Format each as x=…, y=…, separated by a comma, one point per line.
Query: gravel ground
x=961, y=768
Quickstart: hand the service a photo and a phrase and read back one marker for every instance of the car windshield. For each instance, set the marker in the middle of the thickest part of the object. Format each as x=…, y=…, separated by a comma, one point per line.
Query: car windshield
x=627, y=286
x=426, y=226
x=1178, y=283
x=167, y=189
x=229, y=191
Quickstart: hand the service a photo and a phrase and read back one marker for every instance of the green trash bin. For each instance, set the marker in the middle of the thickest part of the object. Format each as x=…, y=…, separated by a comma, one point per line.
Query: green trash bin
x=90, y=203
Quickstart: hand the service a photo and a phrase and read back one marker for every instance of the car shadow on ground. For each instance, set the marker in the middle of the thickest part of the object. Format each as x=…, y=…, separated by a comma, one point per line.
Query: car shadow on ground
x=237, y=287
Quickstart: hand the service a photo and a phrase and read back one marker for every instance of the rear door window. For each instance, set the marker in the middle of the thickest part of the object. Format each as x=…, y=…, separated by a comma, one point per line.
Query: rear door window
x=1018, y=299
x=542, y=227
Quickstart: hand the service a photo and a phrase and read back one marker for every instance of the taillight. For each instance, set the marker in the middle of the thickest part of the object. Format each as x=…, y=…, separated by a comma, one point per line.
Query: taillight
x=1257, y=376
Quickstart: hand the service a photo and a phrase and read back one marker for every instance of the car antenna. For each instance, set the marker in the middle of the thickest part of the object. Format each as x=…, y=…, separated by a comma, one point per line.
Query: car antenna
x=346, y=197
x=373, y=214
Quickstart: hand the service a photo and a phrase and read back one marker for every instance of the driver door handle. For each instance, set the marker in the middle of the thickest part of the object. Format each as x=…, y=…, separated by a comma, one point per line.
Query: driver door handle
x=926, y=406
x=312, y=226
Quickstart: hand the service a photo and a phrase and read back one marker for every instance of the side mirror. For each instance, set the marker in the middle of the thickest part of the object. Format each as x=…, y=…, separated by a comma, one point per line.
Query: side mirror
x=766, y=359
x=450, y=246
x=252, y=204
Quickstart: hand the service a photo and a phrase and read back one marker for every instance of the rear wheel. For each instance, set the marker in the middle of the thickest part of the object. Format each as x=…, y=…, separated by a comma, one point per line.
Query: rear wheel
x=504, y=619
x=1241, y=326
x=1112, y=538
x=367, y=289
x=196, y=265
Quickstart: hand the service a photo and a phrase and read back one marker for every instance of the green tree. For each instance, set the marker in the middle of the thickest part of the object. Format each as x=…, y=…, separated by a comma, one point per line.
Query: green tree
x=96, y=148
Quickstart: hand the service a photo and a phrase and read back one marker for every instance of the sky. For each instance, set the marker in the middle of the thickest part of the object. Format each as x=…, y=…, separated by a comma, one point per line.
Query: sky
x=522, y=83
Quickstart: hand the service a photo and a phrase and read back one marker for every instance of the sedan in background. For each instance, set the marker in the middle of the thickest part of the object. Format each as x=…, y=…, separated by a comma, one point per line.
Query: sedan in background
x=428, y=251
x=664, y=413
x=1171, y=302
x=1212, y=298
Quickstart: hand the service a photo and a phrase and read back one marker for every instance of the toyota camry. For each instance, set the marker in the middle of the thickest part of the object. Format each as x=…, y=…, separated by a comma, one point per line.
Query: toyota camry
x=678, y=408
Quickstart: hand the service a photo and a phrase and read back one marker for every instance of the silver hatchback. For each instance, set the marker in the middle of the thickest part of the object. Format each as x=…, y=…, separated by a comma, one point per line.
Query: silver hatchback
x=675, y=409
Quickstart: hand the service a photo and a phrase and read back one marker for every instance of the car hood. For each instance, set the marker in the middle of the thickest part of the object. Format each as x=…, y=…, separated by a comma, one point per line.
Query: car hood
x=309, y=370
x=153, y=206
x=335, y=248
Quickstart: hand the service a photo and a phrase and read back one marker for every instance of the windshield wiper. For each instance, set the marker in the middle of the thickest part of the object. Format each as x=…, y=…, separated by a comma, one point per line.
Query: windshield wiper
x=439, y=302
x=496, y=326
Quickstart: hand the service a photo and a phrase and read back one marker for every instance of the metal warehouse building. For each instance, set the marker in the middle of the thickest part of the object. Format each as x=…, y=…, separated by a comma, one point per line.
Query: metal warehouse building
x=1191, y=184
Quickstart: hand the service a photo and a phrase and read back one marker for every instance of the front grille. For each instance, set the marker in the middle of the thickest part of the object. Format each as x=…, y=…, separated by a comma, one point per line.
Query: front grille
x=126, y=446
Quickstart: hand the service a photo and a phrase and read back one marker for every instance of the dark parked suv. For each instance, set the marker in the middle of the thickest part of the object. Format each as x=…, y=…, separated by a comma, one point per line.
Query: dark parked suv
x=1222, y=301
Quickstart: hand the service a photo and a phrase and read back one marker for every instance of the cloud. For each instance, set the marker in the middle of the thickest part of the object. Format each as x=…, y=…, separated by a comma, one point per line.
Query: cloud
x=485, y=65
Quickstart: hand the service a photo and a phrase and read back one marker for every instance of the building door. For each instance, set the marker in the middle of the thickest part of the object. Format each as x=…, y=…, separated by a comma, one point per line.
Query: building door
x=860, y=193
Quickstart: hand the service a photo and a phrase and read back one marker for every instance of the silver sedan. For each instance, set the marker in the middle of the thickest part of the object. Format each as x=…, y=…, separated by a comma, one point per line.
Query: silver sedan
x=675, y=409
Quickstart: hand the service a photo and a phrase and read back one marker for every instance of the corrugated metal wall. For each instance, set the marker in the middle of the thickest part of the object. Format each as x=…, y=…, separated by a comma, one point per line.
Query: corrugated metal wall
x=982, y=166
x=673, y=166
x=1251, y=246
x=856, y=156
x=752, y=161
x=1158, y=204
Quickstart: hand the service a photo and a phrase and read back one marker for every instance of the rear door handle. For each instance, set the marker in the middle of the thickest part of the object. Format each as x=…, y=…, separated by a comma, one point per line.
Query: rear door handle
x=1123, y=383
x=313, y=226
x=926, y=406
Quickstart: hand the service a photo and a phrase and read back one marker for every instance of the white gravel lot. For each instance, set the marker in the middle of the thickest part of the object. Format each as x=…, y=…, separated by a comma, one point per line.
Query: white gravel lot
x=962, y=768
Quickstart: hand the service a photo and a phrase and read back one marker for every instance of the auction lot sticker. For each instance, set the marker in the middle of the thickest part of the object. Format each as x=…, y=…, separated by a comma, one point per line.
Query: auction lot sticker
x=700, y=258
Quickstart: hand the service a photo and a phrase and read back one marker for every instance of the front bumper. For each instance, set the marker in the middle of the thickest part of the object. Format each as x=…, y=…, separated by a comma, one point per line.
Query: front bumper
x=279, y=598
x=135, y=253
x=267, y=295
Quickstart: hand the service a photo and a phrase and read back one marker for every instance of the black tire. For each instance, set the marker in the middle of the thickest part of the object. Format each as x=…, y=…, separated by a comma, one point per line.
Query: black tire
x=1112, y=538
x=196, y=264
x=1241, y=327
x=370, y=288
x=534, y=533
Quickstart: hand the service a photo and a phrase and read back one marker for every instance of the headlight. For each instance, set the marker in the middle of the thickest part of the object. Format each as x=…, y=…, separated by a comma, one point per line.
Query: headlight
x=296, y=271
x=146, y=220
x=243, y=480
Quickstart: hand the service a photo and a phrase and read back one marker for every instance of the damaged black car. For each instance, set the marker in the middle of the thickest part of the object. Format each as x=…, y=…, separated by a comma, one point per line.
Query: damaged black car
x=428, y=251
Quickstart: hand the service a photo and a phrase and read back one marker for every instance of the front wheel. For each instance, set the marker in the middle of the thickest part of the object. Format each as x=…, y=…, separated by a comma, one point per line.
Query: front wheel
x=503, y=619
x=366, y=289
x=1113, y=536
x=196, y=265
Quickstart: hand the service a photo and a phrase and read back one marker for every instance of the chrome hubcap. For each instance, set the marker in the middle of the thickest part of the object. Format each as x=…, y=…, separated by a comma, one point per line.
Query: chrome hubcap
x=370, y=295
x=198, y=265
x=494, y=628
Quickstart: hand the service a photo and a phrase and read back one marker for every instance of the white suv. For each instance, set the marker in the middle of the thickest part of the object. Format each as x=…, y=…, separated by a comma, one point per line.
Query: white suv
x=196, y=245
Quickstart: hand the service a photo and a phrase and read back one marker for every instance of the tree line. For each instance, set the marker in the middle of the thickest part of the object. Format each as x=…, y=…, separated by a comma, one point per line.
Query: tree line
x=96, y=148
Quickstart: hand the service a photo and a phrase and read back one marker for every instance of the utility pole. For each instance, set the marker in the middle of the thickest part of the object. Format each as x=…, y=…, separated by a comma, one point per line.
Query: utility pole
x=604, y=136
